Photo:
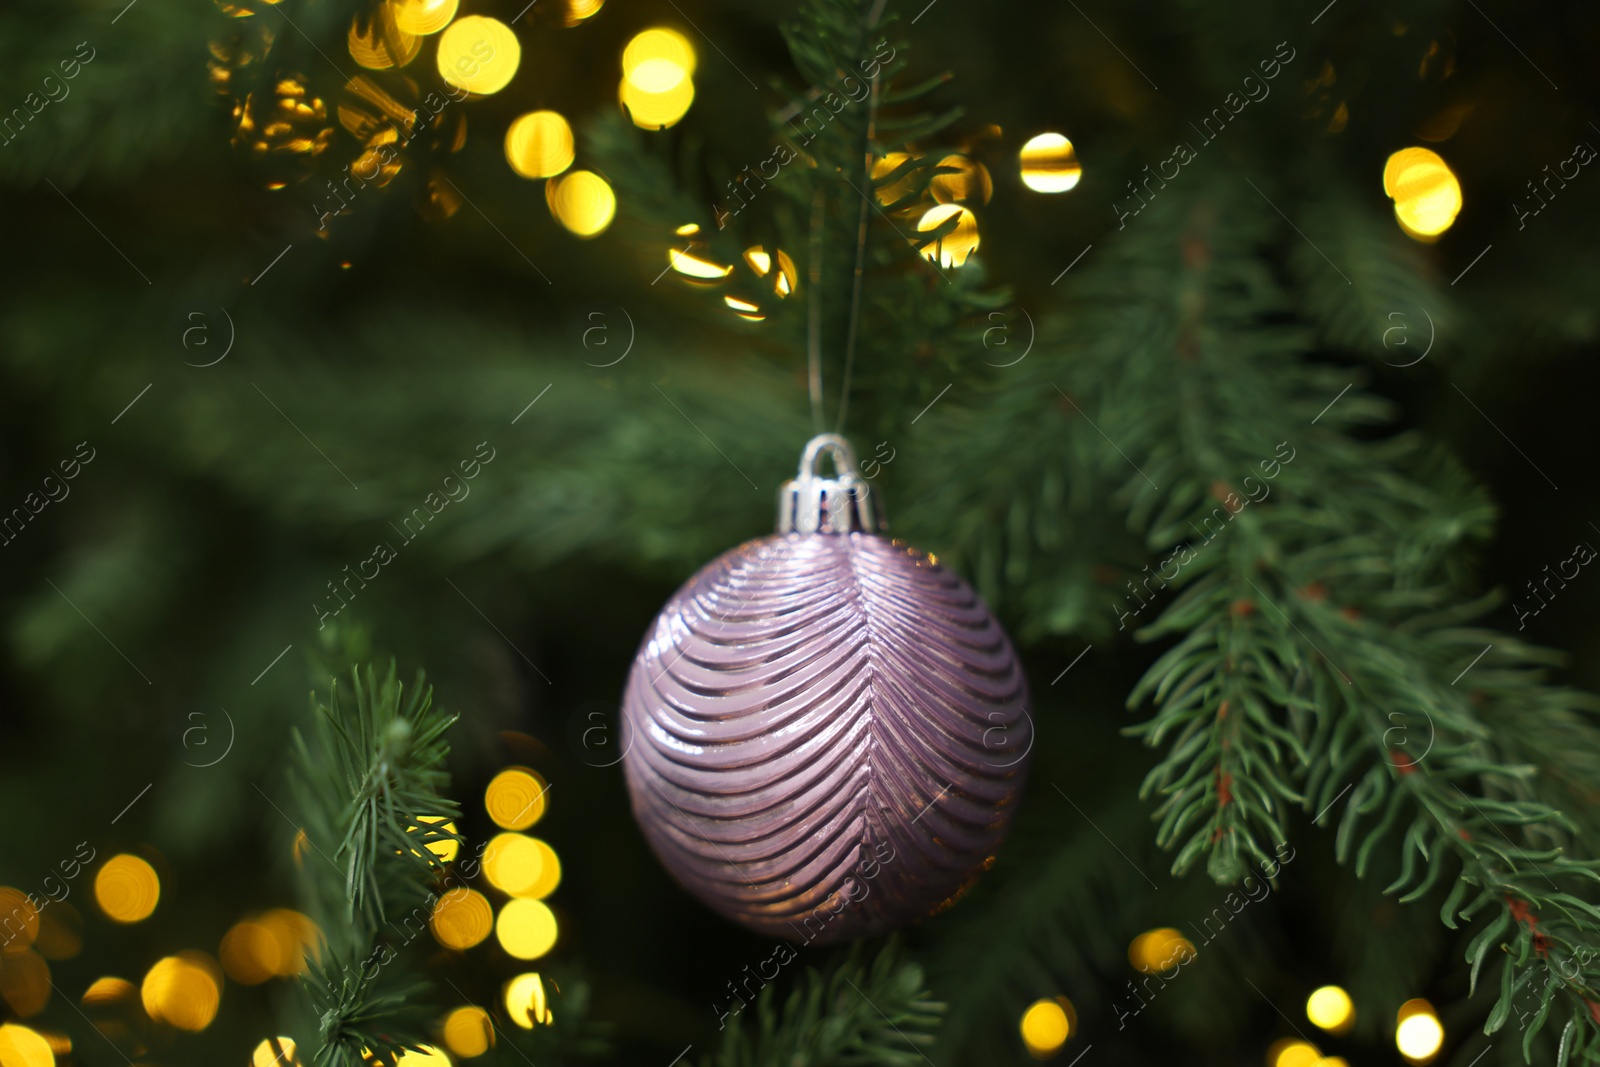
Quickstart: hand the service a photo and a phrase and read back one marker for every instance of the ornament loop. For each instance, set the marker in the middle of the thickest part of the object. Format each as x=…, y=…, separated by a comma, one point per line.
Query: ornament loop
x=841, y=504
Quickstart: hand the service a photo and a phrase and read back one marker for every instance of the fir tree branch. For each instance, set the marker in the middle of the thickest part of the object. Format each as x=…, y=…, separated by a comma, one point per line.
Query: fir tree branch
x=382, y=803
x=854, y=1012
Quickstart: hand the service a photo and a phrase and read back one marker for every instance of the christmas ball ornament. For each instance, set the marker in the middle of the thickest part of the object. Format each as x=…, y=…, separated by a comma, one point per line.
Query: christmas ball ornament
x=825, y=730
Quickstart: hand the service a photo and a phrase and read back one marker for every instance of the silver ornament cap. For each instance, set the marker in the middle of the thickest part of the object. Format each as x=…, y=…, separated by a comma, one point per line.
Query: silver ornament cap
x=844, y=503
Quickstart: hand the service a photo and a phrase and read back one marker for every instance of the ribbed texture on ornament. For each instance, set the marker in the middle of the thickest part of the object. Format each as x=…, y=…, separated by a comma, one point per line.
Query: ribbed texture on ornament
x=825, y=735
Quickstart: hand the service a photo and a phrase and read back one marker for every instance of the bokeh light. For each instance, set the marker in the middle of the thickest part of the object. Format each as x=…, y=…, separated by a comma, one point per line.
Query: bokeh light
x=60, y=932
x=107, y=991
x=423, y=16
x=538, y=145
x=283, y=1055
x=19, y=919
x=514, y=798
x=656, y=110
x=580, y=10
x=183, y=991
x=526, y=929
x=1046, y=1025
x=1159, y=950
x=1331, y=1009
x=969, y=181
x=479, y=54
x=549, y=875
x=24, y=982
x=294, y=934
x=126, y=888
x=526, y=1002
x=658, y=44
x=22, y=1047
x=445, y=850
x=902, y=186
x=511, y=862
x=378, y=43
x=657, y=78
x=745, y=309
x=581, y=201
x=1426, y=192
x=1049, y=164
x=953, y=248
x=461, y=918
x=691, y=265
x=784, y=279
x=422, y=1056
x=468, y=1031
x=1418, y=1034
x=249, y=953
x=1293, y=1052
x=272, y=945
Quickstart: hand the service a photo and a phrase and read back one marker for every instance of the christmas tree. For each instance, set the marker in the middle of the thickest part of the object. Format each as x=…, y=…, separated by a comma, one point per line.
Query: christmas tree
x=1226, y=350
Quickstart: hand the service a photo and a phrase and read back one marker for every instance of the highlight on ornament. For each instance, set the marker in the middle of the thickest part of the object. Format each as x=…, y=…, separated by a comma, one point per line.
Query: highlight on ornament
x=1049, y=164
x=1046, y=1025
x=479, y=54
x=539, y=144
x=1331, y=1009
x=1425, y=191
x=1418, y=1034
x=582, y=201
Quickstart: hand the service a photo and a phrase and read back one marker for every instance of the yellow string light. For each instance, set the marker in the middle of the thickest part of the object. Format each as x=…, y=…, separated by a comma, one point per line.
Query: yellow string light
x=183, y=991
x=127, y=889
x=1045, y=1027
x=526, y=1002
x=423, y=17
x=581, y=201
x=479, y=54
x=22, y=1047
x=1049, y=164
x=468, y=1031
x=526, y=929
x=953, y=248
x=1331, y=1009
x=538, y=145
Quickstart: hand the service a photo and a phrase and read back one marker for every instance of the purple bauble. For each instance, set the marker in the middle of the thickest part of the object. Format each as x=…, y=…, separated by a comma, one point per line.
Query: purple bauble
x=825, y=730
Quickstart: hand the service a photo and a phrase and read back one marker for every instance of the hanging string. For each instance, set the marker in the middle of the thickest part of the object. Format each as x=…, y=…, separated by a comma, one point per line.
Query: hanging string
x=814, y=271
x=814, y=313
x=862, y=219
